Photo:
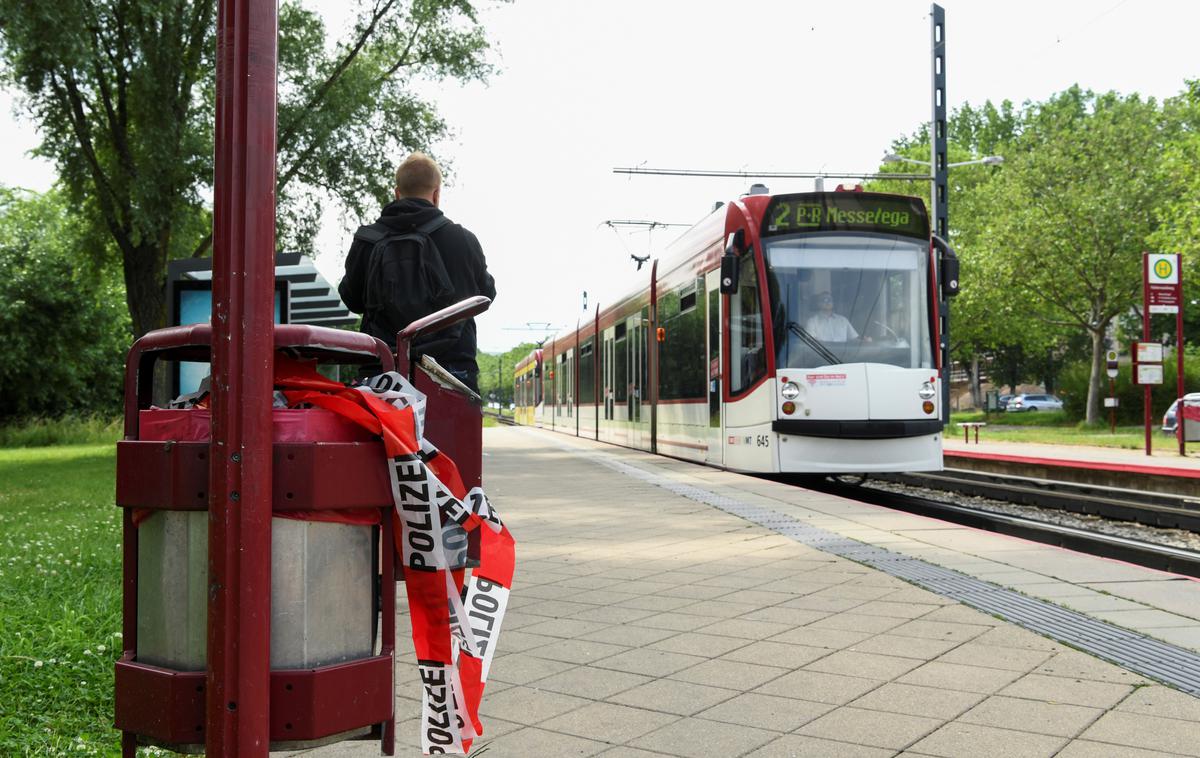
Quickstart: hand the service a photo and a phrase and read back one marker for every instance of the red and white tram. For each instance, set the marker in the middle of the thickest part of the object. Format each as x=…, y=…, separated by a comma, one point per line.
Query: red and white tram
x=789, y=333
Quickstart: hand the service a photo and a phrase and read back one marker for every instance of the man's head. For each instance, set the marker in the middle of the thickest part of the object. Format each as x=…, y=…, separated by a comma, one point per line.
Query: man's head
x=825, y=302
x=419, y=176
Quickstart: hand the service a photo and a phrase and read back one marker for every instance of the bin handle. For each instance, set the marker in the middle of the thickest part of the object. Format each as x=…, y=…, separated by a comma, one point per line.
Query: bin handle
x=434, y=322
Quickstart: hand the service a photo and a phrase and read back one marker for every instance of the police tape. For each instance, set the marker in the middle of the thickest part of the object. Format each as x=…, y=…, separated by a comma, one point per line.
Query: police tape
x=456, y=621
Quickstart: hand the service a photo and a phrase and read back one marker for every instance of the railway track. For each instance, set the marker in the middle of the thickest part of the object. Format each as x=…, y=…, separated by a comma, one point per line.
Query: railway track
x=501, y=419
x=1151, y=555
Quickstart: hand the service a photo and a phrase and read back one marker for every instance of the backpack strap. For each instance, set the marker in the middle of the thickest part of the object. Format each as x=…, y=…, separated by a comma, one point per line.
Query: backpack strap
x=373, y=233
x=433, y=224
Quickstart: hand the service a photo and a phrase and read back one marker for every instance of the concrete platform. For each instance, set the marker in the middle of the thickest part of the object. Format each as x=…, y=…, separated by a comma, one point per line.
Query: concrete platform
x=643, y=623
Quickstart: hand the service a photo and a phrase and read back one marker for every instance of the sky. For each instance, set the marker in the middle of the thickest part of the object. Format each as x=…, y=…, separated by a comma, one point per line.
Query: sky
x=757, y=85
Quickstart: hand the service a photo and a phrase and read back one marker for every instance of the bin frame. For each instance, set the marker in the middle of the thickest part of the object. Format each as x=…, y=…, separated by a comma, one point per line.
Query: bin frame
x=167, y=706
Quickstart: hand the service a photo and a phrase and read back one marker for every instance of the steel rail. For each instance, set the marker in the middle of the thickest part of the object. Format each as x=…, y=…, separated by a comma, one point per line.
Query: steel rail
x=1148, y=508
x=1146, y=554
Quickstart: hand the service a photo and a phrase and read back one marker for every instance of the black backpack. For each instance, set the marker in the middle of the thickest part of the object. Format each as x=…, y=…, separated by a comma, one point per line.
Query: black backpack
x=406, y=277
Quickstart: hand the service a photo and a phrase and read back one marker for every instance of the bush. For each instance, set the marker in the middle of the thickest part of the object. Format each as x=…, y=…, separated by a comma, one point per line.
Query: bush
x=63, y=322
x=1073, y=386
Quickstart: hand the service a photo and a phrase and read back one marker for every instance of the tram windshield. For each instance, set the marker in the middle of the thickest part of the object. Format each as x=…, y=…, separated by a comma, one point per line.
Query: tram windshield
x=839, y=298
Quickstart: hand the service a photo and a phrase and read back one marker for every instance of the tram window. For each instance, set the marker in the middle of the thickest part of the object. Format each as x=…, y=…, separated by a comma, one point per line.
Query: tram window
x=748, y=359
x=620, y=366
x=587, y=376
x=682, y=364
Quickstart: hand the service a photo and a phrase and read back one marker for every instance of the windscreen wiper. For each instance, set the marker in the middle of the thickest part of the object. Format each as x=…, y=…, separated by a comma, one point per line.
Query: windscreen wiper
x=816, y=344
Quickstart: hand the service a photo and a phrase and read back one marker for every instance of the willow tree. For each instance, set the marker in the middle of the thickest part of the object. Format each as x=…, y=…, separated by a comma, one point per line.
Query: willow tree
x=122, y=92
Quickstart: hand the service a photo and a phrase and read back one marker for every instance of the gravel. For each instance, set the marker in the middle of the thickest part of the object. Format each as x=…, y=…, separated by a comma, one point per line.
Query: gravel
x=1178, y=538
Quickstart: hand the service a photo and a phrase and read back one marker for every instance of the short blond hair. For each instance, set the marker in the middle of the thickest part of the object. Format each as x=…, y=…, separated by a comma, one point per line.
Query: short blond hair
x=418, y=176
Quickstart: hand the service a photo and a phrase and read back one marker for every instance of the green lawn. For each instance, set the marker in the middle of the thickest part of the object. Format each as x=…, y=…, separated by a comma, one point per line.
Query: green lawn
x=1057, y=429
x=60, y=600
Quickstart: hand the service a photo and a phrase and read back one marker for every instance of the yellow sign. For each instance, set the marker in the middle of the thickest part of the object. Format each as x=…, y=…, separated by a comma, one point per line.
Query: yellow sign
x=1162, y=268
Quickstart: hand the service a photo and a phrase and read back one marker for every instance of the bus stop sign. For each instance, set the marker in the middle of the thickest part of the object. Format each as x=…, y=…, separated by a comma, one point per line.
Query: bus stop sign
x=1111, y=357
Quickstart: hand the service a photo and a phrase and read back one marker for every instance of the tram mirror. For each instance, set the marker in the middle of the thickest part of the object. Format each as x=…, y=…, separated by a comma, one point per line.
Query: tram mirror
x=950, y=276
x=729, y=273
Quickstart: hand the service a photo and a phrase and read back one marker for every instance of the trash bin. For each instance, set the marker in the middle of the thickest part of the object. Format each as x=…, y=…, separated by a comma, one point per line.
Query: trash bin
x=332, y=651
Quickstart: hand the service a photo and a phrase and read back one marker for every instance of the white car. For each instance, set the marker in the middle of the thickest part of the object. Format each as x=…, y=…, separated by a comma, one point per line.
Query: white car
x=1023, y=403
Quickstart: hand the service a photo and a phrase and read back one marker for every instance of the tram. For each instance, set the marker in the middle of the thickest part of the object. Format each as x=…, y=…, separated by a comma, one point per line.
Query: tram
x=792, y=333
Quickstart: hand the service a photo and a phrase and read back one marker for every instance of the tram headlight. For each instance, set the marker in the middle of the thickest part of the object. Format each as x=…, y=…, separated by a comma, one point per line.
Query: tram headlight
x=790, y=390
x=927, y=391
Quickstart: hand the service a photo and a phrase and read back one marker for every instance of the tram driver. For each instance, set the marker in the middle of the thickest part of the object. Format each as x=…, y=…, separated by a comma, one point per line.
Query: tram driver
x=828, y=326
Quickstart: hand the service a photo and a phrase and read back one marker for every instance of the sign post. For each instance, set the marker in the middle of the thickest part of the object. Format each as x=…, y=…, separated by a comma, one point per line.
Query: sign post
x=1147, y=371
x=1163, y=293
x=1111, y=402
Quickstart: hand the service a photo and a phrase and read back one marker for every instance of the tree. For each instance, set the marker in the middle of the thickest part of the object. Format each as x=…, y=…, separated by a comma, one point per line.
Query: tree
x=496, y=373
x=1071, y=213
x=62, y=325
x=123, y=94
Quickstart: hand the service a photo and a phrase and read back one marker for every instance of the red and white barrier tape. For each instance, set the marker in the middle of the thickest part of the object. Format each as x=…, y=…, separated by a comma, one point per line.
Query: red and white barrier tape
x=455, y=621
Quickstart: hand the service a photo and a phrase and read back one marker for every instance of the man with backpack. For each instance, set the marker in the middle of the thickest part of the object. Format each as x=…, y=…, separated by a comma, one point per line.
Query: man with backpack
x=414, y=261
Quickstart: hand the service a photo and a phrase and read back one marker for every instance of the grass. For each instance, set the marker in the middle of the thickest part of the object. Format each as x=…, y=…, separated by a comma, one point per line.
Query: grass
x=72, y=430
x=60, y=600
x=1054, y=428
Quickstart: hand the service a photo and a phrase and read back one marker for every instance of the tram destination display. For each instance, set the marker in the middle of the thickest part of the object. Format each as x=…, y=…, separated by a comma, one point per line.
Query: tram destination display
x=846, y=212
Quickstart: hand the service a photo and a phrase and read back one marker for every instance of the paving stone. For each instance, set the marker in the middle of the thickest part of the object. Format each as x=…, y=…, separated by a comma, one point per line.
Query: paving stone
x=918, y=701
x=672, y=696
x=1054, y=689
x=799, y=746
x=624, y=751
x=693, y=643
x=834, y=639
x=1012, y=636
x=530, y=742
x=868, y=665
x=731, y=674
x=675, y=621
x=905, y=647
x=576, y=651
x=991, y=656
x=700, y=738
x=522, y=669
x=527, y=705
x=1089, y=749
x=856, y=622
x=940, y=630
x=1157, y=700
x=650, y=662
x=780, y=714
x=590, y=682
x=777, y=654
x=957, y=740
x=608, y=722
x=789, y=616
x=955, y=676
x=872, y=728
x=608, y=614
x=566, y=628
x=1078, y=665
x=629, y=635
x=822, y=688
x=1057, y=719
x=1143, y=731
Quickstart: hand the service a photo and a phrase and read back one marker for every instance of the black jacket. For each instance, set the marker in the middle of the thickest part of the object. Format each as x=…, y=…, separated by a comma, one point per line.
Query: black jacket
x=463, y=257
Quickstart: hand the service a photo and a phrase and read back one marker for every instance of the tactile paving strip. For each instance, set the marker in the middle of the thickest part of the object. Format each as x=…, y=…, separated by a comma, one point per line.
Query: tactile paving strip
x=1149, y=657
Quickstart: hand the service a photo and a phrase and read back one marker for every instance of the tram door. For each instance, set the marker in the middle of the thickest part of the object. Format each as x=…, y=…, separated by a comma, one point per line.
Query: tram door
x=606, y=374
x=716, y=409
x=568, y=387
x=636, y=345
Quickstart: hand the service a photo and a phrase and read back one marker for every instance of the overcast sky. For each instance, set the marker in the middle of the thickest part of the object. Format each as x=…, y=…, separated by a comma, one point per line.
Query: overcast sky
x=756, y=85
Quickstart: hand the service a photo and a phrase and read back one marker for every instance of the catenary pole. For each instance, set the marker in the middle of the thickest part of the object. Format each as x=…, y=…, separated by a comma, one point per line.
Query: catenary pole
x=938, y=206
x=239, y=535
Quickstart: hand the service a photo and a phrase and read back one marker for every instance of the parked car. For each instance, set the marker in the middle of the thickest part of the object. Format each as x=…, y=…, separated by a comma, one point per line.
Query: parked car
x=1169, y=419
x=1002, y=401
x=1028, y=403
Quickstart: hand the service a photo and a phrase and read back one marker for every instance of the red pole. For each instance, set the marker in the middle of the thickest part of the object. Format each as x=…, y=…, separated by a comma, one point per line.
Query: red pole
x=1112, y=411
x=239, y=534
x=1179, y=358
x=1146, y=338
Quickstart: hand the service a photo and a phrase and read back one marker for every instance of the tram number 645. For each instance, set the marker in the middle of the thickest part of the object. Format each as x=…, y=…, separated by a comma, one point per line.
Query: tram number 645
x=762, y=440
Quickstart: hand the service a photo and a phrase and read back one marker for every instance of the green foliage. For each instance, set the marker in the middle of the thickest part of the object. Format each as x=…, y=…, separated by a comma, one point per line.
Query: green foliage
x=60, y=601
x=62, y=324
x=1073, y=381
x=496, y=373
x=124, y=97
x=67, y=430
